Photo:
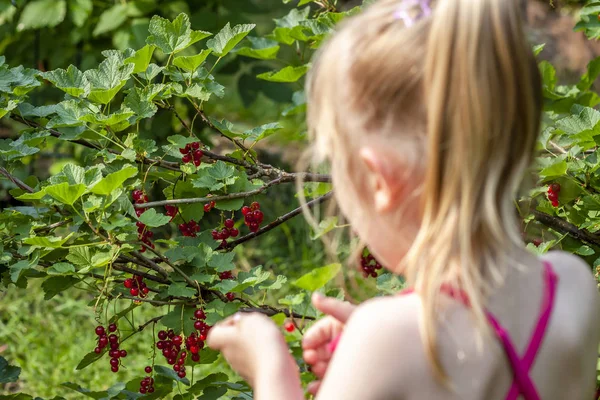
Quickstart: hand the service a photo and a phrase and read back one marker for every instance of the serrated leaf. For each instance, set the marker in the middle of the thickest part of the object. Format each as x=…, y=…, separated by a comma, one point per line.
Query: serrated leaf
x=56, y=284
x=275, y=285
x=172, y=37
x=42, y=13
x=191, y=63
x=65, y=193
x=318, y=277
x=8, y=373
x=140, y=102
x=32, y=196
x=181, y=290
x=228, y=38
x=153, y=219
x=108, y=79
x=262, y=131
x=213, y=393
x=71, y=81
x=287, y=74
x=173, y=320
x=111, y=19
x=115, y=120
x=225, y=127
x=61, y=268
x=222, y=261
x=261, y=48
x=49, y=242
x=141, y=58
x=80, y=256
x=88, y=359
x=113, y=181
x=17, y=268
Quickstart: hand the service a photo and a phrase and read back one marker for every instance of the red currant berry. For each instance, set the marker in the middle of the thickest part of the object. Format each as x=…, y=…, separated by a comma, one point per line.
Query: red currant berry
x=103, y=341
x=128, y=283
x=195, y=357
x=151, y=389
x=229, y=223
x=143, y=390
x=195, y=145
x=183, y=151
x=198, y=325
x=234, y=232
x=230, y=296
x=553, y=196
x=145, y=290
x=225, y=234
x=123, y=353
x=112, y=327
x=255, y=206
x=134, y=291
x=162, y=335
x=113, y=338
x=207, y=207
x=181, y=374
x=99, y=330
x=176, y=367
x=139, y=211
x=177, y=340
x=254, y=227
x=114, y=369
x=186, y=159
x=114, y=362
x=148, y=369
x=289, y=326
x=258, y=216
x=194, y=350
x=245, y=210
x=555, y=203
x=555, y=187
x=97, y=350
x=199, y=314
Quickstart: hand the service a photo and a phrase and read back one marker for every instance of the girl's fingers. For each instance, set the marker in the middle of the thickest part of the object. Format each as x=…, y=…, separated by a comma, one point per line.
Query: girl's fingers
x=312, y=356
x=319, y=334
x=220, y=335
x=319, y=369
x=340, y=310
x=313, y=387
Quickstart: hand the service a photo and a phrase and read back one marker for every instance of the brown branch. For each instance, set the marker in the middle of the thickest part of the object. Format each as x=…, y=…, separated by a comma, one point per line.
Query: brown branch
x=153, y=320
x=52, y=226
x=563, y=226
x=278, y=221
x=270, y=311
x=150, y=264
x=164, y=259
x=22, y=185
x=124, y=268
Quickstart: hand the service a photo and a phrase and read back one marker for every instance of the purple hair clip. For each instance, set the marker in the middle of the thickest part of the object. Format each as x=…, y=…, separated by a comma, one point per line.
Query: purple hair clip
x=403, y=11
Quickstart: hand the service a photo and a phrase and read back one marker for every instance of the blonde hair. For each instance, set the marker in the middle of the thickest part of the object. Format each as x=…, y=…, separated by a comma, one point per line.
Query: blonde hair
x=465, y=82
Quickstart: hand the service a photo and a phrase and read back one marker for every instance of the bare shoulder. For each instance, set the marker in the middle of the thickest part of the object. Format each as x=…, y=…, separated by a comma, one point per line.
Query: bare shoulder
x=573, y=273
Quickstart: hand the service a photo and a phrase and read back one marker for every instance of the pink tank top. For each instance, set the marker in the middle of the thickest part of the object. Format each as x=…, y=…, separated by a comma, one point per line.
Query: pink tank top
x=522, y=384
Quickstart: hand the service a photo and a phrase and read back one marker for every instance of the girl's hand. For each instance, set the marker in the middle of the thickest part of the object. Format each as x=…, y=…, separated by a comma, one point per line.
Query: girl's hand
x=316, y=343
x=251, y=343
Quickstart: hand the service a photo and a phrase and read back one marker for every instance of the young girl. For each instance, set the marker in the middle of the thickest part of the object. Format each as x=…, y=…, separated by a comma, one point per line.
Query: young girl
x=429, y=118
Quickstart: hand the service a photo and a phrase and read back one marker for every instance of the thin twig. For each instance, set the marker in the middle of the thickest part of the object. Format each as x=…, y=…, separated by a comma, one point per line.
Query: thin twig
x=124, y=268
x=278, y=221
x=560, y=225
x=16, y=180
x=153, y=320
x=188, y=280
x=151, y=264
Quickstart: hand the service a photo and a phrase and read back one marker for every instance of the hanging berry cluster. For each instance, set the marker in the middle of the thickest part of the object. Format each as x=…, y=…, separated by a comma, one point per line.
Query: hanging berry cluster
x=369, y=265
x=147, y=384
x=553, y=191
x=195, y=342
x=171, y=211
x=209, y=206
x=139, y=197
x=189, y=229
x=253, y=217
x=144, y=234
x=136, y=285
x=111, y=340
x=192, y=153
x=228, y=231
x=170, y=344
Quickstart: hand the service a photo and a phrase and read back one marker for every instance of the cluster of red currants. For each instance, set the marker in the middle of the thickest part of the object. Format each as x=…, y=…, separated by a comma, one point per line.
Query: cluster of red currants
x=137, y=286
x=113, y=340
x=228, y=231
x=253, y=217
x=171, y=211
x=170, y=344
x=195, y=342
x=553, y=191
x=192, y=153
x=209, y=206
x=369, y=265
x=147, y=384
x=226, y=275
x=139, y=197
x=189, y=229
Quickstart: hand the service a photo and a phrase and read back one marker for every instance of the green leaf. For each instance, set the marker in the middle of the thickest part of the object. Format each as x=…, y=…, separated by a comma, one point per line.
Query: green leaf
x=213, y=393
x=228, y=38
x=173, y=320
x=108, y=79
x=325, y=226
x=318, y=277
x=556, y=169
x=65, y=193
x=153, y=219
x=80, y=256
x=49, y=242
x=222, y=261
x=262, y=131
x=181, y=290
x=32, y=196
x=191, y=63
x=61, y=268
x=111, y=19
x=17, y=268
x=8, y=373
x=141, y=58
x=80, y=11
x=89, y=358
x=287, y=74
x=42, y=13
x=585, y=251
x=261, y=48
x=169, y=373
x=56, y=284
x=71, y=81
x=172, y=37
x=113, y=181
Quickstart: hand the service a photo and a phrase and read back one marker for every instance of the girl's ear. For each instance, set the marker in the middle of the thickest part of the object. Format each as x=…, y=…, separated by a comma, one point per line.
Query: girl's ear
x=387, y=174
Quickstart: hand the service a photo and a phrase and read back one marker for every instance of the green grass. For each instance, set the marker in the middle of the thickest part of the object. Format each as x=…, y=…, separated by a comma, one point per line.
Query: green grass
x=47, y=339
